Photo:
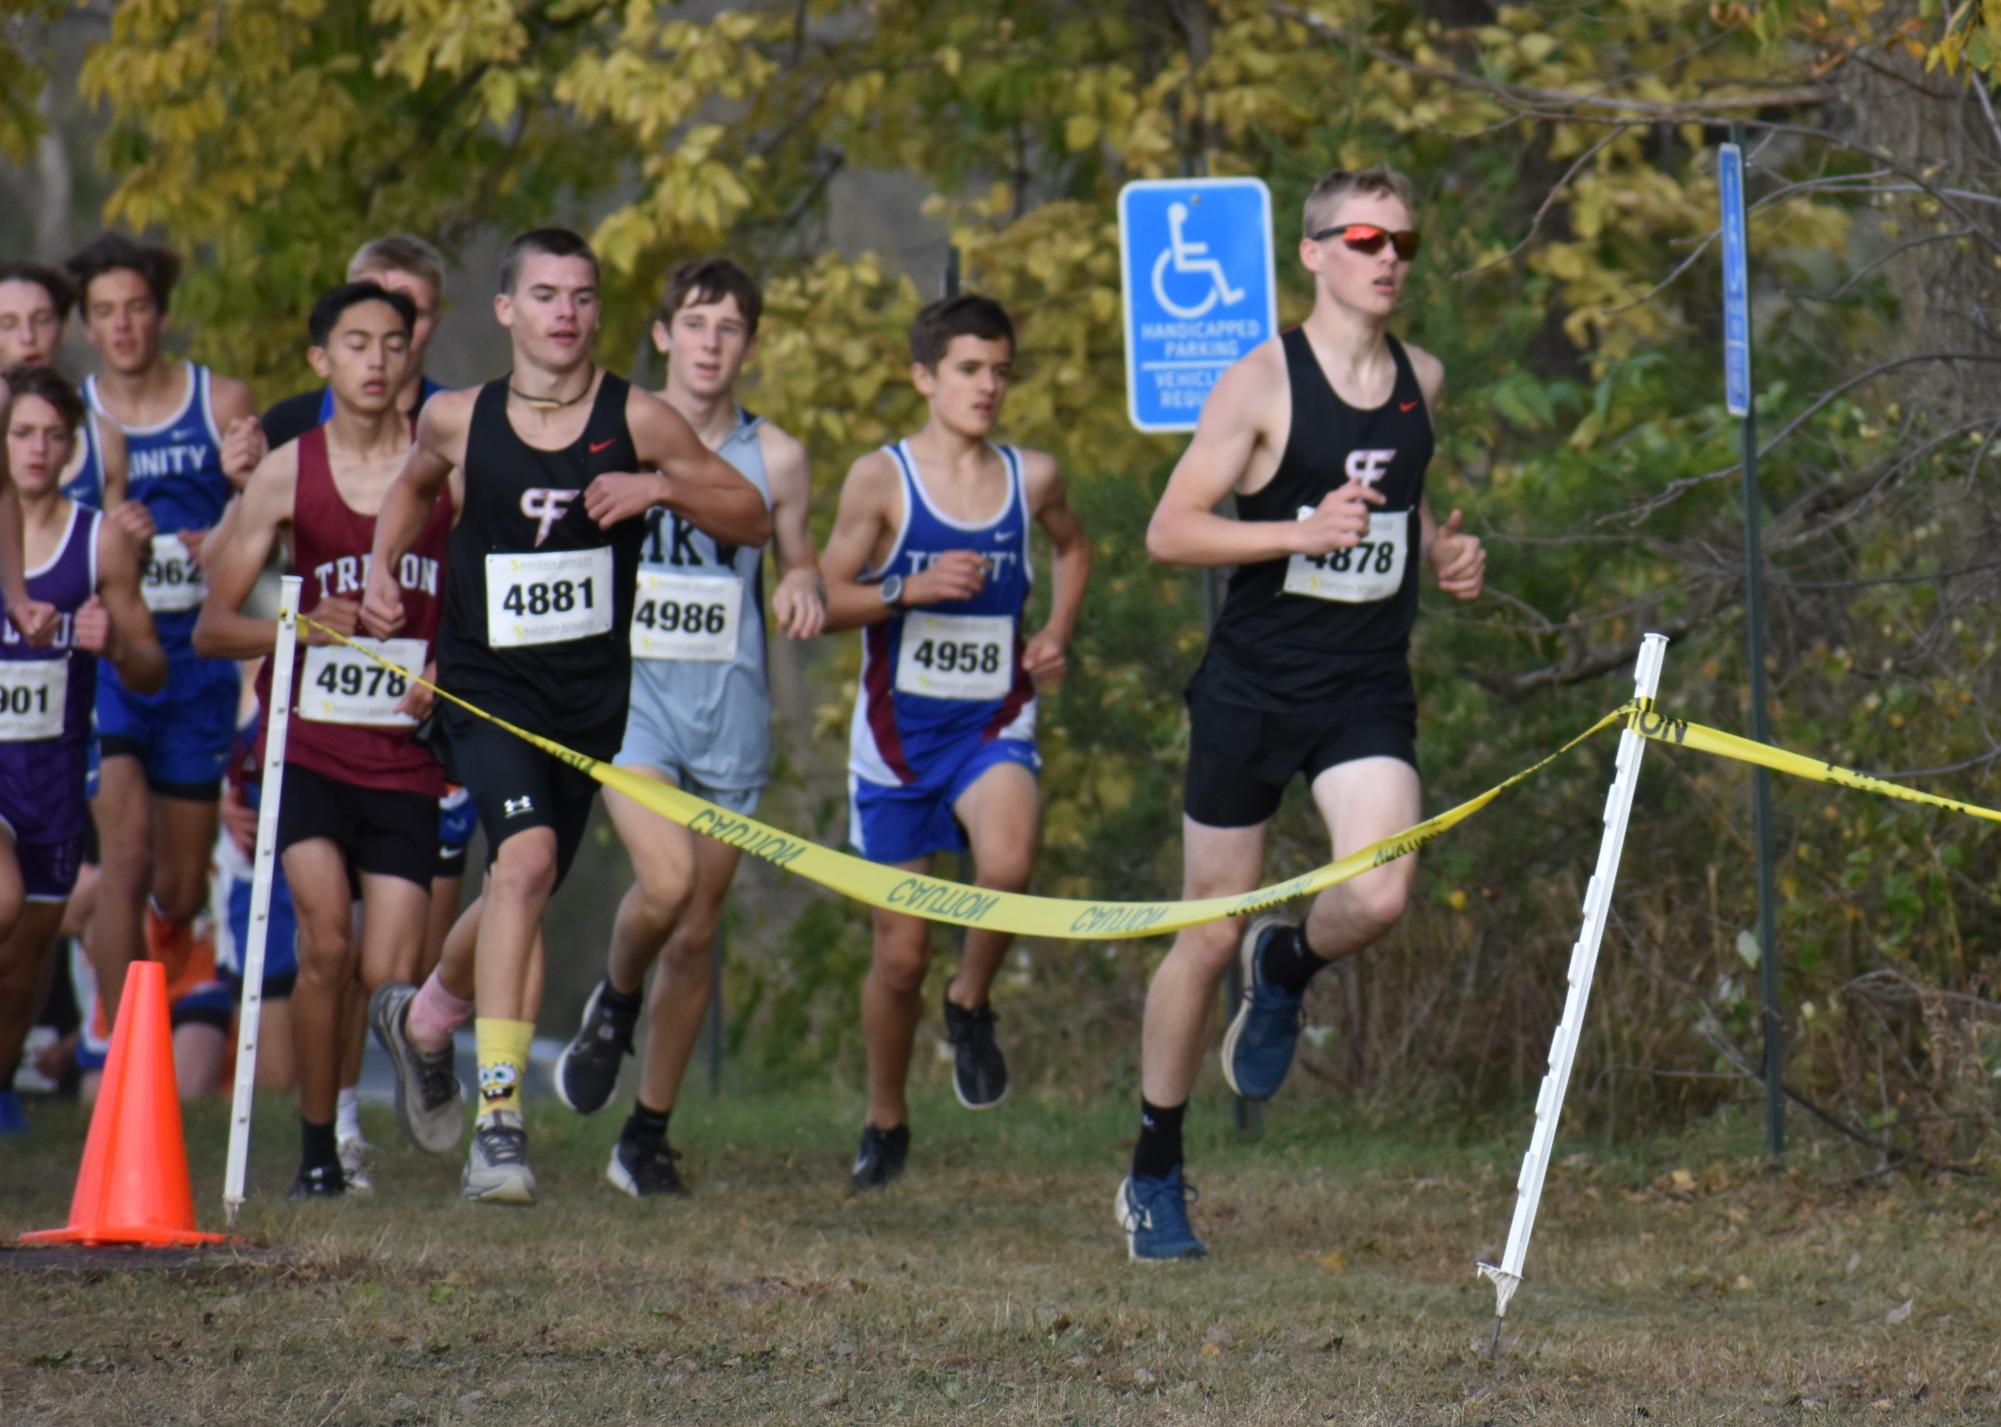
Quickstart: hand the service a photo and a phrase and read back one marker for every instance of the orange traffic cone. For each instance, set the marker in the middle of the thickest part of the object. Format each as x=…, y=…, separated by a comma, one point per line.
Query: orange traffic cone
x=133, y=1187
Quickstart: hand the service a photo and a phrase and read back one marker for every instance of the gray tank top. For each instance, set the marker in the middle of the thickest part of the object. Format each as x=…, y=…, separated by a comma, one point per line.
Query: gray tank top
x=698, y=636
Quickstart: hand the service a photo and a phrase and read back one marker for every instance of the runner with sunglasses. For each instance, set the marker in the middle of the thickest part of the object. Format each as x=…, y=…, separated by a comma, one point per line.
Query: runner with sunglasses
x=1322, y=436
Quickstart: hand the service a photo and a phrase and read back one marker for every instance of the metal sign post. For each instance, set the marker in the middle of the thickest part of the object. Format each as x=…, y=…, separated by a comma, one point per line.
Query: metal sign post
x=1737, y=398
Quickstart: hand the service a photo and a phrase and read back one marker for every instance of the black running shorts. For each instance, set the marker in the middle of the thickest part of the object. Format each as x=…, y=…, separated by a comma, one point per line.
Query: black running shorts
x=378, y=830
x=1240, y=759
x=515, y=786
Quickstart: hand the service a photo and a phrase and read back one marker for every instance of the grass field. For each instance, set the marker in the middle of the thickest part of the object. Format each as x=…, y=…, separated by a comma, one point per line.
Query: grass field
x=1674, y=1282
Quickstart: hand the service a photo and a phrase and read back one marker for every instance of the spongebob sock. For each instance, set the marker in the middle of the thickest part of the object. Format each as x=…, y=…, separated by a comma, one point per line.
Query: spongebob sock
x=503, y=1059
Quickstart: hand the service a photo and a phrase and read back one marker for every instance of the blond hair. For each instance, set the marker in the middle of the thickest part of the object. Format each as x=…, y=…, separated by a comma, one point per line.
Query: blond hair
x=1337, y=185
x=399, y=253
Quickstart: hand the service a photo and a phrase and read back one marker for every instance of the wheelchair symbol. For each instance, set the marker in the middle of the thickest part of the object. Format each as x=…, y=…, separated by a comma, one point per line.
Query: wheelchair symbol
x=1192, y=259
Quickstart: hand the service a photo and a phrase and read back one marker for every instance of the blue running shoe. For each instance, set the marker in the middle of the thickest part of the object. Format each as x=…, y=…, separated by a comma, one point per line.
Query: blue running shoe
x=1154, y=1215
x=13, y=1119
x=1257, y=1051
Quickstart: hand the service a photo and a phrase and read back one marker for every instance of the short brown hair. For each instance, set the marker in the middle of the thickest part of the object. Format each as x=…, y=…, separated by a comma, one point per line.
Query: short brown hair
x=399, y=253
x=51, y=386
x=108, y=252
x=544, y=242
x=711, y=280
x=62, y=296
x=1337, y=185
x=966, y=315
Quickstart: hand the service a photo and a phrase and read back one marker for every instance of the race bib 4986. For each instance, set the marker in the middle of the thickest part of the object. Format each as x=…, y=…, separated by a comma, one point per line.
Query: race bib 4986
x=680, y=616
x=547, y=597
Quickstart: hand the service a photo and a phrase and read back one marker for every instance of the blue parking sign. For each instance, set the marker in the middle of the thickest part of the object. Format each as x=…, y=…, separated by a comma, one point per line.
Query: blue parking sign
x=1195, y=255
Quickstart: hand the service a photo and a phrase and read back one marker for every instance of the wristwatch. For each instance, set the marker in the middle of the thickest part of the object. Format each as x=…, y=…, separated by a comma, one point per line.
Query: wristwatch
x=891, y=590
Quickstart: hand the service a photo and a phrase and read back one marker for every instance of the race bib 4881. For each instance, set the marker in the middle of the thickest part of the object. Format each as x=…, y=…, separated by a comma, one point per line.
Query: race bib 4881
x=547, y=597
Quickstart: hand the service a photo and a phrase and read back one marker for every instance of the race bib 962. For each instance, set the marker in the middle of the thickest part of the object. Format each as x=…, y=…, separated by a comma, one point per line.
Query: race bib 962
x=171, y=581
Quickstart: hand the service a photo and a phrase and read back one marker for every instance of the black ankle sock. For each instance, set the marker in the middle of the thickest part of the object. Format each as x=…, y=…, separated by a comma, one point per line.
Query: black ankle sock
x=1158, y=1153
x=1289, y=963
x=644, y=1126
x=317, y=1144
x=617, y=1000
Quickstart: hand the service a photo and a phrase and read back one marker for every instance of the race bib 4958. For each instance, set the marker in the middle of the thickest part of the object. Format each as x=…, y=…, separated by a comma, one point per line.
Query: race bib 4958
x=956, y=656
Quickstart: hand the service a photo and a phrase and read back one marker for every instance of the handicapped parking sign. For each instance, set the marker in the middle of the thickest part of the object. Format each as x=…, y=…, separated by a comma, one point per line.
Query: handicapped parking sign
x=1195, y=255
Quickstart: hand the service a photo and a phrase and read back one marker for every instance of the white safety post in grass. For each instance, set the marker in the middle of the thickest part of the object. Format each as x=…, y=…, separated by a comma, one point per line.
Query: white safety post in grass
x=1507, y=1275
x=265, y=866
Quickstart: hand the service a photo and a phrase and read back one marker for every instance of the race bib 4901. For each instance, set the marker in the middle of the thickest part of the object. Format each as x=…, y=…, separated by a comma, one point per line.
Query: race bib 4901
x=547, y=597
x=682, y=616
x=34, y=695
x=343, y=685
x=1367, y=571
x=171, y=581
x=956, y=656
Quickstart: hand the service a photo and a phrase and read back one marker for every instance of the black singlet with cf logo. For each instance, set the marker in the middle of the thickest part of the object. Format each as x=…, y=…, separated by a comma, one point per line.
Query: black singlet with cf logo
x=1293, y=631
x=538, y=605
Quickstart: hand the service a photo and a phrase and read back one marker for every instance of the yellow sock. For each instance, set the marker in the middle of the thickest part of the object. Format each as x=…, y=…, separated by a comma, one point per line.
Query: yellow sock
x=503, y=1060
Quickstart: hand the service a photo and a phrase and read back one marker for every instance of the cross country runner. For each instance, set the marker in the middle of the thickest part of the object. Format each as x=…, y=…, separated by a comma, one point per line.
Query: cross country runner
x=1322, y=435
x=87, y=574
x=360, y=805
x=192, y=438
x=930, y=558
x=558, y=462
x=35, y=302
x=700, y=718
x=405, y=263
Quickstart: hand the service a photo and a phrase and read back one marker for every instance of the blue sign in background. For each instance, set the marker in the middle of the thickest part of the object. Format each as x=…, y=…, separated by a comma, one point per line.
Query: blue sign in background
x=1195, y=256
x=1736, y=283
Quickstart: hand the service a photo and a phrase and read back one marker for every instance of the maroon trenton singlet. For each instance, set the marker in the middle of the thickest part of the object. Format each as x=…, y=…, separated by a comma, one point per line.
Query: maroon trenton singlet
x=344, y=720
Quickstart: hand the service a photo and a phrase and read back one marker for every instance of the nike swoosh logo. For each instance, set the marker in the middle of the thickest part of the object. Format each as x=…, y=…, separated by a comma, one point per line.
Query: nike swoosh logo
x=1407, y=406
x=597, y=446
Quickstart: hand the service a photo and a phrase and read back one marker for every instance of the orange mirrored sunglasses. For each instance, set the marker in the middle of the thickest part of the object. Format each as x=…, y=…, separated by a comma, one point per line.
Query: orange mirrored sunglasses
x=1368, y=238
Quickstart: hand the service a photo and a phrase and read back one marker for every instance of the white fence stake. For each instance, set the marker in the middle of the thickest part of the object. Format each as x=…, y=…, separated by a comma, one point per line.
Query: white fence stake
x=264, y=867
x=1507, y=1275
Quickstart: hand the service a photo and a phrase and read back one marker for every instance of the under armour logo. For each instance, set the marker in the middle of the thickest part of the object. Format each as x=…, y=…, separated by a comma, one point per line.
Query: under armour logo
x=540, y=503
x=515, y=807
x=1368, y=466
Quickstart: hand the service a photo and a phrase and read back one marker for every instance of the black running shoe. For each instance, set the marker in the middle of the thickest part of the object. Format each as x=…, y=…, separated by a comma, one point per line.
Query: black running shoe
x=646, y=1170
x=587, y=1070
x=881, y=1156
x=979, y=1070
x=319, y=1181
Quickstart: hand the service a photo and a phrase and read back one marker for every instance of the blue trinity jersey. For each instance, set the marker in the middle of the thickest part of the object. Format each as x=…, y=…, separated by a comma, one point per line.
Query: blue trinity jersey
x=175, y=468
x=937, y=677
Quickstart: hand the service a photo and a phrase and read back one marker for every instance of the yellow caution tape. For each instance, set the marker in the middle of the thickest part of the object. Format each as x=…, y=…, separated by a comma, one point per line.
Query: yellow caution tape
x=1650, y=722
x=939, y=900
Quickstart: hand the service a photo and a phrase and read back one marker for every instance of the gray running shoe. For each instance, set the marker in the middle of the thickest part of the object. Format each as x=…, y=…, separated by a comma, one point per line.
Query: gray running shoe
x=427, y=1089
x=354, y=1166
x=497, y=1169
x=587, y=1070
